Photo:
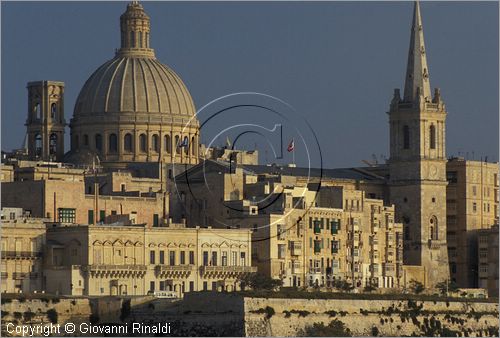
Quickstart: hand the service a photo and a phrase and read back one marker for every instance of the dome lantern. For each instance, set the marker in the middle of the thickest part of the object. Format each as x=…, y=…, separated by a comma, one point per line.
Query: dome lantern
x=135, y=29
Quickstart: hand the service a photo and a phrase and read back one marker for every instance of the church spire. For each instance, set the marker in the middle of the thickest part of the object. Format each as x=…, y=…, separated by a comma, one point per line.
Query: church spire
x=417, y=73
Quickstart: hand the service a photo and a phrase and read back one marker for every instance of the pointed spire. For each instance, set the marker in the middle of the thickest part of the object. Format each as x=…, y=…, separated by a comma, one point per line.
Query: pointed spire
x=417, y=72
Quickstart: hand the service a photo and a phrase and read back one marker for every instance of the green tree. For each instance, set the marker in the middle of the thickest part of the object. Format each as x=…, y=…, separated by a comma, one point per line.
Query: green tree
x=447, y=286
x=258, y=281
x=336, y=328
x=416, y=287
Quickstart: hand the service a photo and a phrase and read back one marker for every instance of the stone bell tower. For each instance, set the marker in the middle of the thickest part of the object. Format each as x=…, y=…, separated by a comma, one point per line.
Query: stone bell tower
x=45, y=123
x=417, y=163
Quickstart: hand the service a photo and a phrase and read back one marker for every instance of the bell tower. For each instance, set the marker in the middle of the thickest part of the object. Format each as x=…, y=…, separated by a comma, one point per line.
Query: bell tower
x=45, y=123
x=417, y=163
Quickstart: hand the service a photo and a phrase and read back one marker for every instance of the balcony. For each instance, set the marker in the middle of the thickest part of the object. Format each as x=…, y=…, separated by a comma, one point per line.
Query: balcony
x=314, y=271
x=296, y=269
x=20, y=275
x=173, y=270
x=4, y=275
x=296, y=249
x=226, y=270
x=125, y=270
x=21, y=254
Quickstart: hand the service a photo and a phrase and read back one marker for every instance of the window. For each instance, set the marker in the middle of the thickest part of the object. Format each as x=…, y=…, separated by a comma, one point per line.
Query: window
x=234, y=258
x=172, y=257
x=432, y=135
x=406, y=137
x=474, y=190
x=205, y=258
x=151, y=286
x=38, y=145
x=90, y=218
x=155, y=140
x=147, y=46
x=193, y=150
x=167, y=143
x=281, y=251
x=132, y=39
x=113, y=143
x=243, y=259
x=140, y=39
x=191, y=257
x=156, y=220
x=66, y=215
x=127, y=143
x=162, y=257
x=214, y=258
x=214, y=286
x=53, y=111
x=433, y=228
x=205, y=286
x=151, y=257
x=142, y=143
x=85, y=140
x=38, y=112
x=177, y=148
x=224, y=258
x=98, y=142
x=183, y=257
x=185, y=144
x=53, y=144
x=474, y=207
x=102, y=215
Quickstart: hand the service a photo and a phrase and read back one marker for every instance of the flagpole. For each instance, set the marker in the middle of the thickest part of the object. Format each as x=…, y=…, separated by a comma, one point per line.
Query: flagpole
x=293, y=154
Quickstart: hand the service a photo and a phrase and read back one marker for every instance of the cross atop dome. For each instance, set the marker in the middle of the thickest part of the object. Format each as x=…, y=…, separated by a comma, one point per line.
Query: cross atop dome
x=417, y=72
x=135, y=29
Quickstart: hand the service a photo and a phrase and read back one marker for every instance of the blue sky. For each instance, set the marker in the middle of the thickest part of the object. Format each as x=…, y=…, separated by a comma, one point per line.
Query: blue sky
x=336, y=63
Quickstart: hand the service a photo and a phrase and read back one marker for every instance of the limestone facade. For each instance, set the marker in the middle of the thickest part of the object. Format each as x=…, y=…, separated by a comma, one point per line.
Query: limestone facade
x=134, y=260
x=472, y=204
x=487, y=242
x=23, y=240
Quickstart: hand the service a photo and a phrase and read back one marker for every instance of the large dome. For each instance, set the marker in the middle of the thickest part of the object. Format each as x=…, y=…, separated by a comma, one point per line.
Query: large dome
x=134, y=84
x=133, y=108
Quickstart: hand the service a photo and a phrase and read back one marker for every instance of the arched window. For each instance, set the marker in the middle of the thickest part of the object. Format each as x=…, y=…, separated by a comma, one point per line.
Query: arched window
x=132, y=39
x=433, y=228
x=113, y=143
x=432, y=134
x=140, y=39
x=53, y=144
x=168, y=144
x=127, y=143
x=406, y=137
x=193, y=147
x=53, y=111
x=155, y=143
x=85, y=140
x=186, y=145
x=177, y=145
x=37, y=111
x=98, y=142
x=147, y=40
x=38, y=145
x=142, y=143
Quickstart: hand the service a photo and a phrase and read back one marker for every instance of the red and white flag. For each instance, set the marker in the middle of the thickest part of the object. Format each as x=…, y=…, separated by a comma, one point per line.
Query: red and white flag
x=291, y=146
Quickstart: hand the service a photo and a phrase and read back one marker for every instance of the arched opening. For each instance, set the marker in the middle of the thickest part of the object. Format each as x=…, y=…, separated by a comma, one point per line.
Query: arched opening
x=38, y=145
x=433, y=228
x=113, y=143
x=155, y=143
x=406, y=137
x=53, y=111
x=140, y=39
x=193, y=146
x=168, y=144
x=432, y=134
x=37, y=111
x=177, y=145
x=98, y=142
x=53, y=144
x=127, y=143
x=85, y=140
x=147, y=40
x=185, y=144
x=132, y=39
x=142, y=143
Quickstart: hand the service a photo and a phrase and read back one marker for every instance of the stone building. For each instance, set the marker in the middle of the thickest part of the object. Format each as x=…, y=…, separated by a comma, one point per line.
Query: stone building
x=133, y=260
x=487, y=242
x=300, y=235
x=23, y=240
x=471, y=205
